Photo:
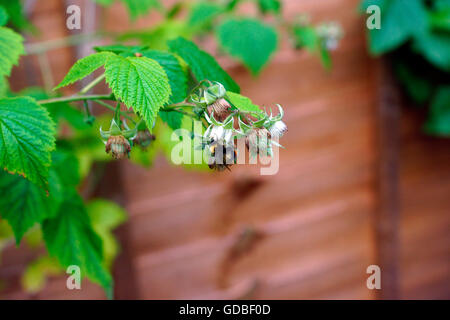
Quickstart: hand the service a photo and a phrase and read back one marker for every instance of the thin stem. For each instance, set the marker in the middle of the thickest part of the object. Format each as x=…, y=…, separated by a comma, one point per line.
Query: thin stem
x=179, y=111
x=46, y=71
x=123, y=114
x=92, y=84
x=108, y=97
x=183, y=104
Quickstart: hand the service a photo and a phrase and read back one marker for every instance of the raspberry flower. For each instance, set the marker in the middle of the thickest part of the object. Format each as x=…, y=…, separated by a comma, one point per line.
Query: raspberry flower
x=143, y=136
x=330, y=33
x=117, y=141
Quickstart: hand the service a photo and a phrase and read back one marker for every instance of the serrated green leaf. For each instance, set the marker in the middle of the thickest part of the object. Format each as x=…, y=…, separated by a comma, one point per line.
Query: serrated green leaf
x=137, y=8
x=84, y=67
x=105, y=217
x=11, y=47
x=173, y=119
x=174, y=71
x=251, y=41
x=202, y=64
x=141, y=83
x=266, y=6
x=26, y=138
x=23, y=203
x=243, y=103
x=203, y=13
x=71, y=239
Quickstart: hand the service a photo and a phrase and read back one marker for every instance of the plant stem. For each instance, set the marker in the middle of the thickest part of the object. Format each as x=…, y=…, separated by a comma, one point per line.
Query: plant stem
x=183, y=104
x=108, y=97
x=179, y=111
x=92, y=84
x=123, y=114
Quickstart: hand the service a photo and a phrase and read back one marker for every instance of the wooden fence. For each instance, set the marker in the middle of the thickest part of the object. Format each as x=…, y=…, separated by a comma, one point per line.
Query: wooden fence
x=358, y=185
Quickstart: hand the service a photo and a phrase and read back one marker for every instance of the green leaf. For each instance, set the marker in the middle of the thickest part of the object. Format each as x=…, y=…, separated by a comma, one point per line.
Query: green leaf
x=16, y=13
x=157, y=36
x=306, y=37
x=439, y=118
x=4, y=16
x=249, y=40
x=65, y=167
x=23, y=203
x=202, y=13
x=243, y=103
x=137, y=8
x=435, y=48
x=84, y=67
x=401, y=20
x=202, y=64
x=140, y=83
x=166, y=142
x=173, y=119
x=11, y=47
x=71, y=239
x=105, y=217
x=120, y=49
x=26, y=138
x=174, y=71
x=58, y=111
x=105, y=3
x=417, y=86
x=4, y=86
x=35, y=275
x=266, y=6
x=440, y=20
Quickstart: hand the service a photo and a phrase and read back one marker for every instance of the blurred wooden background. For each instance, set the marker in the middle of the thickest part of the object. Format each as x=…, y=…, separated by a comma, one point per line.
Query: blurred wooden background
x=309, y=232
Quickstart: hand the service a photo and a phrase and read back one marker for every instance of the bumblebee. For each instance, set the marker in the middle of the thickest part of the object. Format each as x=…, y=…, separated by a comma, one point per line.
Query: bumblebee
x=221, y=157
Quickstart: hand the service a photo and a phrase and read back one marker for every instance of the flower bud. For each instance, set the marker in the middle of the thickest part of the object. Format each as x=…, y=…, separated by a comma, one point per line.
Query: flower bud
x=221, y=109
x=331, y=33
x=278, y=129
x=143, y=138
x=118, y=146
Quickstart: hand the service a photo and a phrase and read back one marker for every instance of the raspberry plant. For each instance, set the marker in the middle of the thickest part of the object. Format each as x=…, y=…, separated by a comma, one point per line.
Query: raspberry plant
x=162, y=84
